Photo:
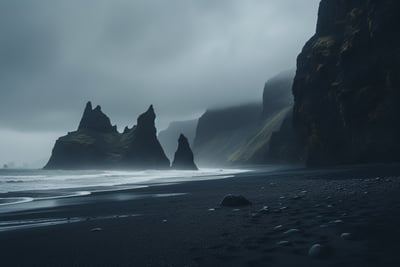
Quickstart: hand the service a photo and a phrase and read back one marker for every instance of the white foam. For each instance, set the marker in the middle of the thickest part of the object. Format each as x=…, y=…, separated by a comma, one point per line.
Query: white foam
x=41, y=180
x=15, y=200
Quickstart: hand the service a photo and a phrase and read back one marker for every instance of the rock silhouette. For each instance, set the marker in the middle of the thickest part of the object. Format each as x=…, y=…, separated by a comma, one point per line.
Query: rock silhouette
x=168, y=136
x=95, y=120
x=98, y=145
x=142, y=146
x=184, y=159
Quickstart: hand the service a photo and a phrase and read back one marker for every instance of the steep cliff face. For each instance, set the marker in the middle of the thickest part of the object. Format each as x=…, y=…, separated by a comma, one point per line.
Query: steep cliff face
x=220, y=132
x=97, y=144
x=168, y=136
x=347, y=85
x=184, y=159
x=277, y=93
x=277, y=105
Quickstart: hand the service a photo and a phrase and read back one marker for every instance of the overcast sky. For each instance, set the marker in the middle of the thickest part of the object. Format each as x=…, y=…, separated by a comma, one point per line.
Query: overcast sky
x=183, y=56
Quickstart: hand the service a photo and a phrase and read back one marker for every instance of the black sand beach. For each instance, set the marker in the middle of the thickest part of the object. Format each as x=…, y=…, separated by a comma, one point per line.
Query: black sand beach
x=150, y=227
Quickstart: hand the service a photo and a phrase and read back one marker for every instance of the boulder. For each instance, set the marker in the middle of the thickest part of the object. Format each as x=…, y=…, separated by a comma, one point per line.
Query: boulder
x=234, y=201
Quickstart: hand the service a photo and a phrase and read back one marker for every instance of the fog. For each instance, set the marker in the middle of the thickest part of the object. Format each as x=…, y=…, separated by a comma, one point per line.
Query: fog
x=183, y=56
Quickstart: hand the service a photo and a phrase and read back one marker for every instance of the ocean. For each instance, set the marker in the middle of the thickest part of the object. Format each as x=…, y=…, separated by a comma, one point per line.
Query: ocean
x=20, y=186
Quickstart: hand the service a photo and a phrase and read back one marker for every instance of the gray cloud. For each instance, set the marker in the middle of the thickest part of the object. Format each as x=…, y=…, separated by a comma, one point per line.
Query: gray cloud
x=183, y=56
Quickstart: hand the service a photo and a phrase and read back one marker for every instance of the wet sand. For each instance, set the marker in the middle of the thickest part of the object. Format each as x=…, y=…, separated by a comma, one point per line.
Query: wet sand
x=183, y=224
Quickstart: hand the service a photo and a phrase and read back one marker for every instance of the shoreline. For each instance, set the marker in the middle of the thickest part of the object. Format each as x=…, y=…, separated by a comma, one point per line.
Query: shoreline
x=183, y=224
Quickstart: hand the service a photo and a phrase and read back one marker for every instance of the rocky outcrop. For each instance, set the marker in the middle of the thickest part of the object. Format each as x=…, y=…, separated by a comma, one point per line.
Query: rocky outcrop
x=168, y=136
x=183, y=159
x=220, y=132
x=347, y=85
x=96, y=144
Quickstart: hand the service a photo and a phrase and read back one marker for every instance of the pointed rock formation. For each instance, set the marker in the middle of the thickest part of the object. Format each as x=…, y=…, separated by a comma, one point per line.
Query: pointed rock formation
x=143, y=148
x=91, y=146
x=184, y=159
x=168, y=136
x=98, y=145
x=95, y=120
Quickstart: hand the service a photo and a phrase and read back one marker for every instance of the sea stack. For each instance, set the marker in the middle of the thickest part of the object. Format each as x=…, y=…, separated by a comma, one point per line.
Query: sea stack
x=143, y=150
x=96, y=144
x=184, y=159
x=89, y=147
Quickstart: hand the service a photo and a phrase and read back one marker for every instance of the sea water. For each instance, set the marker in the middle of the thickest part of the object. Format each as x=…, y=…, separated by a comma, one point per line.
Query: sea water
x=19, y=186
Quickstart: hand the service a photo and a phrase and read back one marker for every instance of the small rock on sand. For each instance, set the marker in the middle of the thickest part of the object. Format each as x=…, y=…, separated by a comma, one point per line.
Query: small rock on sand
x=283, y=243
x=292, y=231
x=264, y=209
x=316, y=251
x=346, y=236
x=336, y=222
x=234, y=201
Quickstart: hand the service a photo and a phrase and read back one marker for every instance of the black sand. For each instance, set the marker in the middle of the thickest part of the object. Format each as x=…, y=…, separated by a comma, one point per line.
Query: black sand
x=192, y=230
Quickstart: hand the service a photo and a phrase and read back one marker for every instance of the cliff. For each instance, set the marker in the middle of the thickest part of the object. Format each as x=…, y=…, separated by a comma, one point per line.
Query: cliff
x=184, y=159
x=168, y=136
x=277, y=93
x=347, y=83
x=277, y=107
x=98, y=144
x=222, y=131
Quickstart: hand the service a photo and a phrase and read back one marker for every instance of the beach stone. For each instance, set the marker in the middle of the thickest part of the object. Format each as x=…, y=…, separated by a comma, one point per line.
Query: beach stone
x=292, y=231
x=234, y=201
x=336, y=222
x=283, y=243
x=316, y=251
x=255, y=215
x=347, y=236
x=264, y=210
